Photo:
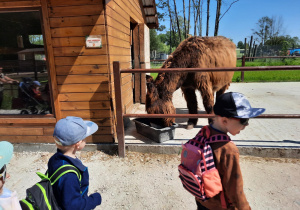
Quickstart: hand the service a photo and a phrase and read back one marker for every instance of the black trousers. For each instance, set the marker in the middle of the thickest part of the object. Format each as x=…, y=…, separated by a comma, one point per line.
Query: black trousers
x=200, y=207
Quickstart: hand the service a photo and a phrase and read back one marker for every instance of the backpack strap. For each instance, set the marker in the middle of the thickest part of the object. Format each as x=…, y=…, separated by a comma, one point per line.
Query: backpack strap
x=63, y=170
x=203, y=137
x=218, y=138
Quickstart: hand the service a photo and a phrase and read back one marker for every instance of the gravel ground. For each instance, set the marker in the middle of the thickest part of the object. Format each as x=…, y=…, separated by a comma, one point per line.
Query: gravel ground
x=150, y=181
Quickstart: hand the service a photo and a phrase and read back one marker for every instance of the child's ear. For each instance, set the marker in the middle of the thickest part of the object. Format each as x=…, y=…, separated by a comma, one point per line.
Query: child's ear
x=77, y=144
x=224, y=120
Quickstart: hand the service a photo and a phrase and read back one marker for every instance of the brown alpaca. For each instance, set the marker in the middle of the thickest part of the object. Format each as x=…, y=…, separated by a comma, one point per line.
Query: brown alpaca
x=194, y=52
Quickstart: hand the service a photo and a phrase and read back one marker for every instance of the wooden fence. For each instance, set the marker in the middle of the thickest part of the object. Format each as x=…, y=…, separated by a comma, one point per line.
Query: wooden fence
x=119, y=109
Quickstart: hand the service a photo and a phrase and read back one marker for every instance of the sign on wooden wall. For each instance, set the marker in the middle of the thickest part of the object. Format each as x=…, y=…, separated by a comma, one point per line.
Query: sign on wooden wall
x=93, y=41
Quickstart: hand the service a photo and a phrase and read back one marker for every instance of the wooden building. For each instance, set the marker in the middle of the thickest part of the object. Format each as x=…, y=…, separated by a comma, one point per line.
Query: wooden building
x=79, y=71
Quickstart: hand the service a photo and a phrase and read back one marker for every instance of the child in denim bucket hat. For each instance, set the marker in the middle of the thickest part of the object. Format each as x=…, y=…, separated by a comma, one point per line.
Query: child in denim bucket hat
x=69, y=136
x=232, y=112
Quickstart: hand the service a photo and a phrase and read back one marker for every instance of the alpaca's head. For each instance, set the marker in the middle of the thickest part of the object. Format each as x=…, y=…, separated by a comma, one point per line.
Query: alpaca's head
x=157, y=105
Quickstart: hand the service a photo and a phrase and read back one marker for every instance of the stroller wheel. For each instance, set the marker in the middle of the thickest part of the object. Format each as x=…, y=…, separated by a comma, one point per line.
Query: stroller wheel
x=24, y=112
x=34, y=110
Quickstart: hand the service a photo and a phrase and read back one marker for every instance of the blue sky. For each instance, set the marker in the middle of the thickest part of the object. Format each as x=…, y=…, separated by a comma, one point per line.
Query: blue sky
x=244, y=14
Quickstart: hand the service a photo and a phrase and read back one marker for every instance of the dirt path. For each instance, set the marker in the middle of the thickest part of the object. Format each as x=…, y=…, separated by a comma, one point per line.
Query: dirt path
x=150, y=181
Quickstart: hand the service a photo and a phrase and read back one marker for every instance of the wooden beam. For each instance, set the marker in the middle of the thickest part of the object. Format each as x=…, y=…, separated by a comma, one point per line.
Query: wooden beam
x=84, y=97
x=27, y=120
x=20, y=4
x=84, y=88
x=75, y=10
x=72, y=2
x=50, y=58
x=82, y=69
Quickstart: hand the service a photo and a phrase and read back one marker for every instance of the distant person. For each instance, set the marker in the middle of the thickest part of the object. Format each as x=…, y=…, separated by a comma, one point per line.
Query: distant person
x=36, y=91
x=8, y=199
x=232, y=113
x=5, y=80
x=69, y=136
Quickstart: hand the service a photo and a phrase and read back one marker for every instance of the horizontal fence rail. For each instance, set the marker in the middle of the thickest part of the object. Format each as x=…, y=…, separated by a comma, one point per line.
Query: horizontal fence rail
x=268, y=57
x=240, y=58
x=119, y=104
x=260, y=68
x=290, y=116
x=244, y=58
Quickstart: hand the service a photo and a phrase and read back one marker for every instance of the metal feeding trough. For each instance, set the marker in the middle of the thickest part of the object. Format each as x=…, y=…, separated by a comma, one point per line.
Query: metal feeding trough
x=154, y=132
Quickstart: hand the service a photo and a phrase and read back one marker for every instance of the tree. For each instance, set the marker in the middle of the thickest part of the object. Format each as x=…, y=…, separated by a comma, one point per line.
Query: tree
x=262, y=32
x=196, y=5
x=177, y=20
x=184, y=19
x=276, y=26
x=269, y=29
x=189, y=18
x=158, y=42
x=154, y=42
x=218, y=15
x=241, y=45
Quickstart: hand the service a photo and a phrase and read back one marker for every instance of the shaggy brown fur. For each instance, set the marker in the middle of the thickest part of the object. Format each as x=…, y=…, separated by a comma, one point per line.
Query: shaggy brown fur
x=194, y=52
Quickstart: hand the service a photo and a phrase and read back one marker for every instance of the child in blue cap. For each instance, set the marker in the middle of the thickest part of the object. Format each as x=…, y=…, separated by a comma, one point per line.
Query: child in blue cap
x=69, y=136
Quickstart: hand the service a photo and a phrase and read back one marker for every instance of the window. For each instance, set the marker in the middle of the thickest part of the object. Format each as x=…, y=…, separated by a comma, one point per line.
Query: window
x=24, y=80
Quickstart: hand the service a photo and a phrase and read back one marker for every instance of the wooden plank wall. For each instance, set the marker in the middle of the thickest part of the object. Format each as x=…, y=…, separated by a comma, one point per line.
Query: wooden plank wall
x=82, y=74
x=119, y=14
x=82, y=79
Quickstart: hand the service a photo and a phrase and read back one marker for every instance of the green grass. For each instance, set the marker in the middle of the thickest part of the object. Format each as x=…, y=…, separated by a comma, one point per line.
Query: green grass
x=269, y=76
x=263, y=76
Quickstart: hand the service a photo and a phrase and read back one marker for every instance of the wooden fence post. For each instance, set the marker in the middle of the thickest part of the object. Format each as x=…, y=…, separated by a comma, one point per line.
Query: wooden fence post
x=243, y=65
x=119, y=109
x=250, y=46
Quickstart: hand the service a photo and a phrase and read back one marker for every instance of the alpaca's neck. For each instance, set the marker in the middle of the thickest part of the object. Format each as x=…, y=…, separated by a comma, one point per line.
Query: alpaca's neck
x=170, y=83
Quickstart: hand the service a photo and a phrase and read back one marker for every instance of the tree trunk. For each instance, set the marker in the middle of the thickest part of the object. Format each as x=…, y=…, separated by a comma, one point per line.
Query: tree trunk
x=171, y=26
x=189, y=18
x=184, y=19
x=179, y=32
x=207, y=18
x=218, y=14
x=200, y=18
x=196, y=17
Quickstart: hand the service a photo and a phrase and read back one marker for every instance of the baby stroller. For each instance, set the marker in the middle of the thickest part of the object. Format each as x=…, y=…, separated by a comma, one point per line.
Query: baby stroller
x=31, y=97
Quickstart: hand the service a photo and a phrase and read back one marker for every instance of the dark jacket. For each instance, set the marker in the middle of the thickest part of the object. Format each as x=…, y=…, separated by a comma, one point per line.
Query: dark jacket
x=68, y=191
x=226, y=157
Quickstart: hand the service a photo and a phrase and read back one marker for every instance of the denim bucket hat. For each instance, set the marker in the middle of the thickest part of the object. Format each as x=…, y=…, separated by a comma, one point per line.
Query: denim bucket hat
x=71, y=130
x=6, y=152
x=233, y=104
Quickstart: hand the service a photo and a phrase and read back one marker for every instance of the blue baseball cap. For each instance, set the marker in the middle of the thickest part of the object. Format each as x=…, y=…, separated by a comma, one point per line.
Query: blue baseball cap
x=6, y=152
x=233, y=104
x=36, y=83
x=71, y=130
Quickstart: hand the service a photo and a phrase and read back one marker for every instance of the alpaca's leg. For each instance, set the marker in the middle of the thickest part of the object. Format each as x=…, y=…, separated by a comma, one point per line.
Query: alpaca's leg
x=222, y=90
x=192, y=105
x=208, y=99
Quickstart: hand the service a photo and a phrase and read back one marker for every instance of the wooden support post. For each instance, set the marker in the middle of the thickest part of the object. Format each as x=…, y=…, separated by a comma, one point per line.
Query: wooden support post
x=119, y=109
x=250, y=45
x=243, y=65
x=254, y=52
x=245, y=53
